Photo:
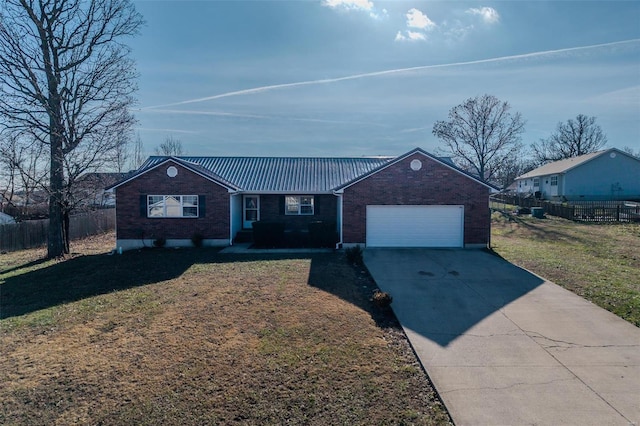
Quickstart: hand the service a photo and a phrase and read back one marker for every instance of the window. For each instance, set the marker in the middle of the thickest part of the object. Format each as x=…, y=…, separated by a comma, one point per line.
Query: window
x=172, y=206
x=554, y=180
x=536, y=182
x=299, y=205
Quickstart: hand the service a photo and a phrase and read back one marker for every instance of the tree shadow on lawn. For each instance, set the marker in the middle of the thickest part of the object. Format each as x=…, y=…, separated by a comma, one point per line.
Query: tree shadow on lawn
x=92, y=275
x=352, y=283
x=540, y=230
x=86, y=276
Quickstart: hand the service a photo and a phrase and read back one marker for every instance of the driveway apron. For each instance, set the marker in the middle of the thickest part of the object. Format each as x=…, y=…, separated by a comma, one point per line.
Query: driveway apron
x=506, y=347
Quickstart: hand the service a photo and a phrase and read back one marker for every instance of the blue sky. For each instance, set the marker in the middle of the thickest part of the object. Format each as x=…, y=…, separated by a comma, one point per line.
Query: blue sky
x=366, y=77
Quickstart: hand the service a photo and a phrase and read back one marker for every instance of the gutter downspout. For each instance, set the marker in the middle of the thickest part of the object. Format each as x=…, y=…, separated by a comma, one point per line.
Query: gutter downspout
x=339, y=194
x=231, y=194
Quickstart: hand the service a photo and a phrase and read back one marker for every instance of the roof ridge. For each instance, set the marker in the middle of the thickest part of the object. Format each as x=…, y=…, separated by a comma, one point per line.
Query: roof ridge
x=325, y=157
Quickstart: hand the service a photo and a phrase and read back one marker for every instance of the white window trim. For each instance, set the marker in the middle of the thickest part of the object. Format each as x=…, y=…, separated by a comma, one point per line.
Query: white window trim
x=300, y=205
x=182, y=207
x=554, y=178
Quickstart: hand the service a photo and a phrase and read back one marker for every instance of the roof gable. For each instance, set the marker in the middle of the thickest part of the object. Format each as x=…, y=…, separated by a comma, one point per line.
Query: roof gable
x=446, y=162
x=193, y=167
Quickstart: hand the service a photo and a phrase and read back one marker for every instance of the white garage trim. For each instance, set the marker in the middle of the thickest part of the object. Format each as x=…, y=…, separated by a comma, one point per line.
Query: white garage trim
x=415, y=226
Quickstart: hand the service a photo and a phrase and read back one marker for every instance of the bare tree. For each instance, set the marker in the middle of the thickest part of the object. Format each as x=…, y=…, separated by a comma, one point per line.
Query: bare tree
x=571, y=139
x=137, y=156
x=170, y=146
x=630, y=151
x=24, y=173
x=481, y=135
x=122, y=153
x=511, y=168
x=66, y=81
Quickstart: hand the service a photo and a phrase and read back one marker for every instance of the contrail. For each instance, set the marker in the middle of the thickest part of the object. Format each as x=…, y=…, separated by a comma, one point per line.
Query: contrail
x=388, y=72
x=265, y=117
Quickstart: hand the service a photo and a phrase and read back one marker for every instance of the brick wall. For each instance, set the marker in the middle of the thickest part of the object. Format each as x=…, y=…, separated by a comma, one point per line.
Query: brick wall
x=433, y=184
x=132, y=224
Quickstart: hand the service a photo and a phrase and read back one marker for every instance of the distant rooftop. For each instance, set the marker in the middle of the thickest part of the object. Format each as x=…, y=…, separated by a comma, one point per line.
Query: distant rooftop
x=565, y=165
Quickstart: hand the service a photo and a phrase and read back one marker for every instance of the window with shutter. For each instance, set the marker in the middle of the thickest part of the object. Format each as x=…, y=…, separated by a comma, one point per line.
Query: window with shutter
x=185, y=206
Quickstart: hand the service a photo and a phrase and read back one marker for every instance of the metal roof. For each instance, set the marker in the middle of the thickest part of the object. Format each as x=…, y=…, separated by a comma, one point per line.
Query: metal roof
x=281, y=174
x=562, y=166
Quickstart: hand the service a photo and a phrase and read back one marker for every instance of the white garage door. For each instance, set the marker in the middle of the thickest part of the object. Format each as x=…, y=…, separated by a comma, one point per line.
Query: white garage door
x=415, y=226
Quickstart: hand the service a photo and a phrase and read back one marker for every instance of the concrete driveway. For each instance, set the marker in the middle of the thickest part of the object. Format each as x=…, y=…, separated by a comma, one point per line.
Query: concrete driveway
x=505, y=347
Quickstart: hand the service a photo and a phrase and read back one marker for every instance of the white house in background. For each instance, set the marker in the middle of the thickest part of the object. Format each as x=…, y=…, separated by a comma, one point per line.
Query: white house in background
x=5, y=218
x=604, y=175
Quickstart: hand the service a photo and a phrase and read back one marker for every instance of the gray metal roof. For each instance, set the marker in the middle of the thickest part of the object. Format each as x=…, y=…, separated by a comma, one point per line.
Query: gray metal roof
x=281, y=174
x=563, y=166
x=559, y=166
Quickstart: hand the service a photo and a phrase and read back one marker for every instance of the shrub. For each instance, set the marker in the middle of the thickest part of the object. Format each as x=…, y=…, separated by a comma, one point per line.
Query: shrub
x=323, y=234
x=268, y=234
x=197, y=239
x=159, y=242
x=382, y=299
x=296, y=239
x=354, y=255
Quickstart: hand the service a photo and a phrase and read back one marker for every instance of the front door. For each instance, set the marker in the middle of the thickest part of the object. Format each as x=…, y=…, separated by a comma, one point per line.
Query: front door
x=250, y=211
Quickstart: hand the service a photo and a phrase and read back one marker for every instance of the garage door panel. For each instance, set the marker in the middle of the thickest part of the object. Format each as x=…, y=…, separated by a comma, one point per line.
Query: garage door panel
x=415, y=226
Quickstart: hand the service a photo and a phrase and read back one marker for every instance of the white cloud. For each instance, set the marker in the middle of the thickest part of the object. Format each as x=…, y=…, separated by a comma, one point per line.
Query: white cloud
x=410, y=36
x=421, y=24
x=455, y=30
x=349, y=4
x=488, y=14
x=383, y=14
x=417, y=19
x=359, y=5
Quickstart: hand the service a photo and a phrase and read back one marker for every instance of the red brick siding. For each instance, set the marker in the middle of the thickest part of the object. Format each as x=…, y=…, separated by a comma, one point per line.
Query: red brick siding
x=433, y=184
x=130, y=224
x=272, y=209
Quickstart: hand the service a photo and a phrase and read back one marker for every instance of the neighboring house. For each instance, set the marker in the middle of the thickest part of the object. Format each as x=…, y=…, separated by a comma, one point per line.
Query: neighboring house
x=604, y=175
x=27, y=205
x=414, y=200
x=89, y=189
x=5, y=219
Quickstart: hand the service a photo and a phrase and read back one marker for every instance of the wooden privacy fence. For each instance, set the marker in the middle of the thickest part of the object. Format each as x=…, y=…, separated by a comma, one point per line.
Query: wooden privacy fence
x=588, y=211
x=33, y=233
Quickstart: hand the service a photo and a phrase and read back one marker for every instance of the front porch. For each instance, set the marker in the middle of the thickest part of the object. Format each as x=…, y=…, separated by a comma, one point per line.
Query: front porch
x=298, y=221
x=319, y=235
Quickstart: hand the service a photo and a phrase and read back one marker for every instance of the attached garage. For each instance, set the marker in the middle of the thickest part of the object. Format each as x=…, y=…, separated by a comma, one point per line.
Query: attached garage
x=415, y=226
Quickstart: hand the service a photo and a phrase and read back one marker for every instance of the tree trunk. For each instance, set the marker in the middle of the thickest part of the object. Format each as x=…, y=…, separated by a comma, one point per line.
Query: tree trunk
x=66, y=221
x=55, y=245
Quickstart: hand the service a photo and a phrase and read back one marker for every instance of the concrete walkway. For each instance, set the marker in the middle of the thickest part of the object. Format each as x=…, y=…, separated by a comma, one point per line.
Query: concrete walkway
x=505, y=347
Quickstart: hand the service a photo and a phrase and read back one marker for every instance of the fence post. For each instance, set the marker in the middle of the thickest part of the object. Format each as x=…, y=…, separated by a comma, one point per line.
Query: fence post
x=618, y=213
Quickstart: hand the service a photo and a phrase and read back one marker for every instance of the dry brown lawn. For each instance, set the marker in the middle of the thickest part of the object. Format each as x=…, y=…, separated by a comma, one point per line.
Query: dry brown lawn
x=193, y=336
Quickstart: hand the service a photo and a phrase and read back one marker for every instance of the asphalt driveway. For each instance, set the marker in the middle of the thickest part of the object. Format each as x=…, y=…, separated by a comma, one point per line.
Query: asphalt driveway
x=505, y=347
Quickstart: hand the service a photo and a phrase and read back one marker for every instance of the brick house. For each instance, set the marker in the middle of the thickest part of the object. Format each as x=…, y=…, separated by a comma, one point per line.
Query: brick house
x=414, y=200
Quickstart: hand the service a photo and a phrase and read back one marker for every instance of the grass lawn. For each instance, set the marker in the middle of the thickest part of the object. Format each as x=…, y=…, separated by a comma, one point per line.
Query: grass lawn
x=193, y=336
x=600, y=262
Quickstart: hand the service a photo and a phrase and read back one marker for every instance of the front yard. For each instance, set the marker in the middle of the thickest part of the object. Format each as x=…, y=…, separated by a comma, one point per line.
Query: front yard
x=600, y=262
x=192, y=336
